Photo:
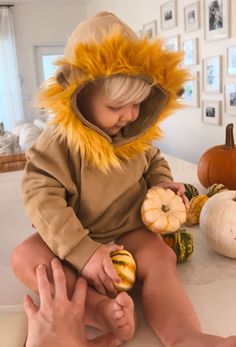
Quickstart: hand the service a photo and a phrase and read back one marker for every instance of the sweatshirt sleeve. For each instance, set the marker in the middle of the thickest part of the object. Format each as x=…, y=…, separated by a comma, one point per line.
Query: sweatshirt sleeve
x=49, y=194
x=158, y=169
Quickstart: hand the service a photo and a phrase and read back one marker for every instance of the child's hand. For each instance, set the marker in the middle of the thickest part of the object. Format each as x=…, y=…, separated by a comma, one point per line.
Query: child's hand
x=100, y=272
x=178, y=188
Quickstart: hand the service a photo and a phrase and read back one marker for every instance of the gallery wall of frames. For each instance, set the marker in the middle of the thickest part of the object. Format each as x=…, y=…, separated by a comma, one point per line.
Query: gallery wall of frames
x=213, y=87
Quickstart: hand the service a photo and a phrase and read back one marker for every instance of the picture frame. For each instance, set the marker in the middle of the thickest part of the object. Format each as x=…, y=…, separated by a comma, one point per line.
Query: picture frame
x=217, y=23
x=190, y=96
x=230, y=99
x=172, y=43
x=139, y=33
x=168, y=15
x=211, y=112
x=190, y=48
x=192, y=17
x=150, y=29
x=231, y=61
x=212, y=75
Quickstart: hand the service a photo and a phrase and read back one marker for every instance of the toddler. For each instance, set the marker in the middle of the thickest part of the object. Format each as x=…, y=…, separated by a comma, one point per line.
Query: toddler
x=87, y=175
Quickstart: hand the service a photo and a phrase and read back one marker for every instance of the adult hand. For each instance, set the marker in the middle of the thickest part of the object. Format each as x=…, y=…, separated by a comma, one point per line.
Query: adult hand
x=178, y=188
x=100, y=272
x=59, y=321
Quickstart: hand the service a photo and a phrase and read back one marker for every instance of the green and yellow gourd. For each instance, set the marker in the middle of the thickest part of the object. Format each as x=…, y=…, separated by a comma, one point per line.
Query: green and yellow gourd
x=125, y=267
x=215, y=189
x=181, y=242
x=190, y=191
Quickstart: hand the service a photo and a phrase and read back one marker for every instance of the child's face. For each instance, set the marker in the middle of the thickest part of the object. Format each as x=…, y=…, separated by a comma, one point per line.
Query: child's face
x=110, y=118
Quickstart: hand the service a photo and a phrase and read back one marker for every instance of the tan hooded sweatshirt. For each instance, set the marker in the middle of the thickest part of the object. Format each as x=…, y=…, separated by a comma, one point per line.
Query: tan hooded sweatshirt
x=82, y=187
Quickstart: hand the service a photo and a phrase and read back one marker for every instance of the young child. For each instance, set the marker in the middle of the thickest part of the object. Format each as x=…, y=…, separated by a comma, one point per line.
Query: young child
x=87, y=176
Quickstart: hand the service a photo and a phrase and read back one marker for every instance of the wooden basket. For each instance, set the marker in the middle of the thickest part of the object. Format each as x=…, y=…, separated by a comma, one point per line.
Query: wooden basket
x=12, y=162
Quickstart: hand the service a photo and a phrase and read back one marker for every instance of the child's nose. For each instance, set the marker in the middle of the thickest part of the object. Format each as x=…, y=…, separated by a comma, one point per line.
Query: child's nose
x=129, y=113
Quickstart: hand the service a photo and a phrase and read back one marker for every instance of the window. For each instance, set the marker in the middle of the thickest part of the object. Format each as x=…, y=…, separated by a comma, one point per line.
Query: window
x=45, y=58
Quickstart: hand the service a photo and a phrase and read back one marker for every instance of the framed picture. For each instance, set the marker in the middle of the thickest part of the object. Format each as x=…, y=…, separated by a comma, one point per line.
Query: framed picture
x=231, y=61
x=190, y=96
x=168, y=15
x=172, y=43
x=212, y=74
x=190, y=48
x=211, y=112
x=150, y=29
x=230, y=99
x=192, y=17
x=139, y=33
x=216, y=19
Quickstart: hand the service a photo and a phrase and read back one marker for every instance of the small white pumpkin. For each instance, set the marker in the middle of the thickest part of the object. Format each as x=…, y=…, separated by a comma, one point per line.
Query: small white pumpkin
x=218, y=223
x=125, y=267
x=163, y=211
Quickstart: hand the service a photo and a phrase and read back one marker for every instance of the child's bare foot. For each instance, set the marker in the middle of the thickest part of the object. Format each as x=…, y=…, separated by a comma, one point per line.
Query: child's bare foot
x=117, y=316
x=204, y=340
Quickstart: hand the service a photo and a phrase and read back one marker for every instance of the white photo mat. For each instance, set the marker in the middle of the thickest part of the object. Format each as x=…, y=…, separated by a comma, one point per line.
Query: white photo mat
x=211, y=112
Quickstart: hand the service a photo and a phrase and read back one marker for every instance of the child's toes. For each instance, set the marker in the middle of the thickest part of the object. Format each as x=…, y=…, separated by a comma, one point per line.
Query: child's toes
x=122, y=322
x=119, y=314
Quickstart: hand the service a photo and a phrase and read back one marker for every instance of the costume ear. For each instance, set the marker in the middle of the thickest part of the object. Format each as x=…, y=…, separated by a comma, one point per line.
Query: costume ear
x=63, y=76
x=180, y=92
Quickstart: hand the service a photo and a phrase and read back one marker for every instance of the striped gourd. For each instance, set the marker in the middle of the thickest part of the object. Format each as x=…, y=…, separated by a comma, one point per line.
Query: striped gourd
x=181, y=242
x=190, y=191
x=196, y=205
x=216, y=188
x=125, y=267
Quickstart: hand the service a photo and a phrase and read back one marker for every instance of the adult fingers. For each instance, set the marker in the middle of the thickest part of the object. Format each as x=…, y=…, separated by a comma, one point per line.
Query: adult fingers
x=59, y=279
x=108, y=284
x=110, y=270
x=43, y=286
x=29, y=306
x=79, y=295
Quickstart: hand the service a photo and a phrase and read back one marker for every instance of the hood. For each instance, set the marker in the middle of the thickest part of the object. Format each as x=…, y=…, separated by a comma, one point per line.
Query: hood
x=100, y=47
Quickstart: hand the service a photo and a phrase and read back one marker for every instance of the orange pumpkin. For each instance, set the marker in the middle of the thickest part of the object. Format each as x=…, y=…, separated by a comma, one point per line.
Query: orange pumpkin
x=218, y=164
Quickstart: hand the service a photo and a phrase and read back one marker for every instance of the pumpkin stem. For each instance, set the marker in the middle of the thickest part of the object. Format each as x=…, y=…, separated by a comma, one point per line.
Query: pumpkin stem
x=165, y=208
x=229, y=137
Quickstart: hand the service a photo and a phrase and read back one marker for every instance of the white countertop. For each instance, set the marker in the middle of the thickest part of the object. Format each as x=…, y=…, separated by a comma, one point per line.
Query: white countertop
x=209, y=278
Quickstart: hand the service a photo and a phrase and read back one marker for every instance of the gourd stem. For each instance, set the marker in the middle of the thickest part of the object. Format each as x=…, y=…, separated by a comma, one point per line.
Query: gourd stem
x=229, y=137
x=165, y=208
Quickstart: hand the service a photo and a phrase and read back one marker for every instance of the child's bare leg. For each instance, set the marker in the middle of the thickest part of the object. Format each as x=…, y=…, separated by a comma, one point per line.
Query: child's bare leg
x=109, y=315
x=166, y=305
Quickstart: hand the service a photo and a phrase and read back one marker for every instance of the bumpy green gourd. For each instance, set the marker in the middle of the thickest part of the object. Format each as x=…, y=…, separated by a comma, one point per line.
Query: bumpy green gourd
x=181, y=242
x=190, y=191
x=216, y=188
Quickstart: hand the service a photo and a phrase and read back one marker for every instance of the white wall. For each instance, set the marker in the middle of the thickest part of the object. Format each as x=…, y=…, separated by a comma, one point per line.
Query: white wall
x=40, y=24
x=184, y=133
x=186, y=136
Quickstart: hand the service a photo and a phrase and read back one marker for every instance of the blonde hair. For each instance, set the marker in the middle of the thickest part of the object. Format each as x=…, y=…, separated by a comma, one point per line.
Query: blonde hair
x=121, y=89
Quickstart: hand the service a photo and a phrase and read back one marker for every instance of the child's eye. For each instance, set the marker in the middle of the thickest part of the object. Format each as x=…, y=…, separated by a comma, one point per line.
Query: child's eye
x=113, y=108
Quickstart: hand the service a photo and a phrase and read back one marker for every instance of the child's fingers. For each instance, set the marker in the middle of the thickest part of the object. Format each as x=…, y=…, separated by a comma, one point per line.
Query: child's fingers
x=59, y=279
x=114, y=247
x=43, y=286
x=29, y=306
x=110, y=270
x=108, y=284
